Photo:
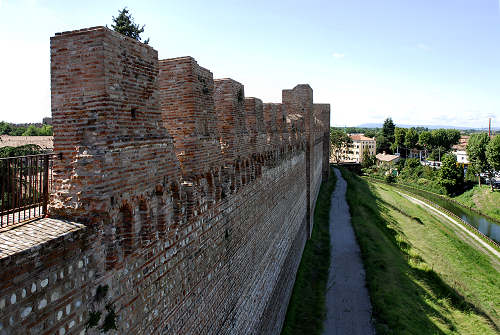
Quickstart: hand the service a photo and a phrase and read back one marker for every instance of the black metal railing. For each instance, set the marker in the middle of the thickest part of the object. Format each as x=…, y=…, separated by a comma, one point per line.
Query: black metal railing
x=25, y=183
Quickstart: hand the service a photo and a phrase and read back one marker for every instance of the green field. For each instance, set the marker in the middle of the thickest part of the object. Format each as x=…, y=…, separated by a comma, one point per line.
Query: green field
x=482, y=199
x=422, y=276
x=307, y=310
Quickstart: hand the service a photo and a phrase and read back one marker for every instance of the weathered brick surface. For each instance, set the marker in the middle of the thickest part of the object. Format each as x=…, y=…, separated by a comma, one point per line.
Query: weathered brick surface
x=322, y=116
x=255, y=124
x=107, y=124
x=187, y=103
x=195, y=202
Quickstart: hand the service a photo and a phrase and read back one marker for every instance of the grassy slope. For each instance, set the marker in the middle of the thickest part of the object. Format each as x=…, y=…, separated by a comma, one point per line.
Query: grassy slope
x=482, y=199
x=422, y=278
x=306, y=310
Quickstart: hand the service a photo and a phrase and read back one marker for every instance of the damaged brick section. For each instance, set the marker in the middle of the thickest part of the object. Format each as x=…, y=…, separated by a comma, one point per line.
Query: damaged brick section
x=192, y=202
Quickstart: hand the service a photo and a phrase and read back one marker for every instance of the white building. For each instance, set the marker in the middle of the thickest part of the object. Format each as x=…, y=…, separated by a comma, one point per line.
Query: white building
x=459, y=150
x=360, y=143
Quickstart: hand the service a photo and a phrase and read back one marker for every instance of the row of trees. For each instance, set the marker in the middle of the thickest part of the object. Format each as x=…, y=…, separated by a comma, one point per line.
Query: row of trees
x=484, y=154
x=391, y=139
x=437, y=142
x=13, y=130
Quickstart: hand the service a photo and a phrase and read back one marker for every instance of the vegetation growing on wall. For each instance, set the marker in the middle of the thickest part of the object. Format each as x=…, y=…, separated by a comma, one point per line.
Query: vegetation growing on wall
x=125, y=25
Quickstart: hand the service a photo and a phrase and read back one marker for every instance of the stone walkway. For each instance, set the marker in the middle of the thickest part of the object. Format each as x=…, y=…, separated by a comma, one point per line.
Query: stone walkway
x=33, y=234
x=347, y=300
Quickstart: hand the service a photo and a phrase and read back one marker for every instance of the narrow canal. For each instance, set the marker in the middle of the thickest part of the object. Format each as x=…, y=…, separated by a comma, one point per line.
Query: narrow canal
x=484, y=225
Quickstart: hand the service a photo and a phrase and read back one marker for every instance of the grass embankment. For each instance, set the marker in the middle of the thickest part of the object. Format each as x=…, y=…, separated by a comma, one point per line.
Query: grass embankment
x=306, y=310
x=482, y=199
x=422, y=277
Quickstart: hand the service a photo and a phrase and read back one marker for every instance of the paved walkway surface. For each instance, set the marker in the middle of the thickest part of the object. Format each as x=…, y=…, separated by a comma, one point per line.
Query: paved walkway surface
x=19, y=238
x=347, y=300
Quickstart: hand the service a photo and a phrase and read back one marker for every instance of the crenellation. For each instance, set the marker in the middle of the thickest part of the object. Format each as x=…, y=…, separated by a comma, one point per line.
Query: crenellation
x=255, y=125
x=322, y=114
x=191, y=203
x=187, y=103
x=229, y=99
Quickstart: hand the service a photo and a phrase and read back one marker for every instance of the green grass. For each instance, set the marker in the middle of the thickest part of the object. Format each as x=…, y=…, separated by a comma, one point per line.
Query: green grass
x=482, y=199
x=422, y=278
x=306, y=310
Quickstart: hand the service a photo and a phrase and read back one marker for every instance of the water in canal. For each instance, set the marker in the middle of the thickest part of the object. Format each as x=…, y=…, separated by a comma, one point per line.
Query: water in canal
x=484, y=225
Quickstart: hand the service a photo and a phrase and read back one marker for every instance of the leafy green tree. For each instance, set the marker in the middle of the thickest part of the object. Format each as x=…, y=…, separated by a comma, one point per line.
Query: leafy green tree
x=452, y=137
x=412, y=163
x=370, y=133
x=411, y=138
x=476, y=152
x=451, y=176
x=31, y=131
x=388, y=130
x=18, y=131
x=339, y=141
x=124, y=24
x=399, y=136
x=46, y=130
x=425, y=139
x=439, y=137
x=367, y=160
x=493, y=155
x=5, y=128
x=383, y=144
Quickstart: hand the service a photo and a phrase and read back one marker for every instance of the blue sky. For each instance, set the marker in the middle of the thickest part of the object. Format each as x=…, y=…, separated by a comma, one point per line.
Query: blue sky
x=433, y=62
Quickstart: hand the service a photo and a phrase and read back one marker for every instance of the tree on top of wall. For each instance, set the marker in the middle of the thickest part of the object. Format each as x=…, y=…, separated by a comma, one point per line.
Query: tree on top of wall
x=124, y=24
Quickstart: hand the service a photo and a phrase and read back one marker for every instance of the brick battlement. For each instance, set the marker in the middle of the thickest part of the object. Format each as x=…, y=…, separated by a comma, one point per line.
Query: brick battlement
x=193, y=202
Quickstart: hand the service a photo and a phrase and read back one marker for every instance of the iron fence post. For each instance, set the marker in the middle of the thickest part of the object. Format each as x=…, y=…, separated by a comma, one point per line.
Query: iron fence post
x=45, y=184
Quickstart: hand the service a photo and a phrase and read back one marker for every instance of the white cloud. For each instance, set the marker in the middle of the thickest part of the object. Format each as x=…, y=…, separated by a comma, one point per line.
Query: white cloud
x=424, y=46
x=339, y=55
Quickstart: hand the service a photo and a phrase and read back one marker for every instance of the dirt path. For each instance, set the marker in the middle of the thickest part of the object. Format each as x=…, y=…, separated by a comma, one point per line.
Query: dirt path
x=464, y=233
x=347, y=300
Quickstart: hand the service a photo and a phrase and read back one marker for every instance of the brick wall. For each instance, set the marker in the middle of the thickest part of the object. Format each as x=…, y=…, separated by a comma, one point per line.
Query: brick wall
x=195, y=202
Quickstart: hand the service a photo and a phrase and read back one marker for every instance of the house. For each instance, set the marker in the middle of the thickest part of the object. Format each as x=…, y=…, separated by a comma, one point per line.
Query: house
x=385, y=159
x=360, y=143
x=459, y=150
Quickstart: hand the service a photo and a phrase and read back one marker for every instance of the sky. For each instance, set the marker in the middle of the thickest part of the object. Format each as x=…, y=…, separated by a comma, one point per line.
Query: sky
x=421, y=62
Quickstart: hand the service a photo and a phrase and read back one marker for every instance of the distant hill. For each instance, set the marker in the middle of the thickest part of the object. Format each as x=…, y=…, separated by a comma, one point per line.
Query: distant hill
x=379, y=125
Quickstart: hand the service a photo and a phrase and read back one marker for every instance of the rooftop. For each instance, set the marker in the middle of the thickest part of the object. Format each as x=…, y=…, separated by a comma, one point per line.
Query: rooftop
x=360, y=137
x=386, y=157
x=45, y=142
